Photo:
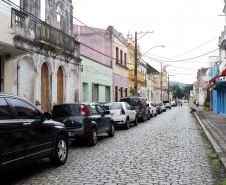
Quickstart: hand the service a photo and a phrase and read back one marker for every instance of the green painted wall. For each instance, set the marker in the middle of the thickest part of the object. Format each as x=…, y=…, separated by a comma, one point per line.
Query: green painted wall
x=95, y=73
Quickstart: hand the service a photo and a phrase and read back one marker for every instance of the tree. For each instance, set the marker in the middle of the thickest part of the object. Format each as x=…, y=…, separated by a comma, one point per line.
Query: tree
x=177, y=92
x=186, y=90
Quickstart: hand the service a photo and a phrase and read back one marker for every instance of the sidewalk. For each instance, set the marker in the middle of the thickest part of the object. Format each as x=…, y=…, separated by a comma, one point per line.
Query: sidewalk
x=214, y=126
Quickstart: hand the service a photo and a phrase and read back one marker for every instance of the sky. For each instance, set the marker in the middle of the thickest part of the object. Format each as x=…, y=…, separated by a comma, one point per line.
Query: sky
x=187, y=29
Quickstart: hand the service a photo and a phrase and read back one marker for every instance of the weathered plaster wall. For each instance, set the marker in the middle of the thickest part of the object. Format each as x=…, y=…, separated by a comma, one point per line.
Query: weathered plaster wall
x=94, y=40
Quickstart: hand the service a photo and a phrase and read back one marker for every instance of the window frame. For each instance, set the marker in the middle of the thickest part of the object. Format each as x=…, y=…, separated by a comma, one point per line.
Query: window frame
x=15, y=111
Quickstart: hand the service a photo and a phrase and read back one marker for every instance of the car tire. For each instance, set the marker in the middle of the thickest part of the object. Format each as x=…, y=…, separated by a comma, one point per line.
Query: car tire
x=126, y=126
x=92, y=140
x=111, y=133
x=61, y=151
x=135, y=121
x=143, y=118
x=156, y=113
x=149, y=116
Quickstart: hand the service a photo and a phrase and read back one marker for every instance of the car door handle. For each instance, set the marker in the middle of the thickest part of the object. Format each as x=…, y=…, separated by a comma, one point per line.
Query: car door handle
x=26, y=124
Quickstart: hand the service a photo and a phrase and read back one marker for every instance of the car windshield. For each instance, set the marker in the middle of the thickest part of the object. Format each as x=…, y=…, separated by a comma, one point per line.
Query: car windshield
x=154, y=104
x=165, y=101
x=113, y=106
x=66, y=110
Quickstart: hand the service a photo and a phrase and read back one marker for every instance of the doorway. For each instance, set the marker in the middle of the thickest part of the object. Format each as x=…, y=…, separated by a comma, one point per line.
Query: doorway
x=44, y=88
x=60, y=84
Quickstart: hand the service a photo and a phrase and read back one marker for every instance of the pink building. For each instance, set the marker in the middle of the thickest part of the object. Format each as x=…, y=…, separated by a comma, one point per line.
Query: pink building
x=108, y=47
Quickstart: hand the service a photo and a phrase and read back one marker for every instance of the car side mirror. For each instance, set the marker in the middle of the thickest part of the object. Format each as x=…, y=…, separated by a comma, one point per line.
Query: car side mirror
x=107, y=112
x=47, y=115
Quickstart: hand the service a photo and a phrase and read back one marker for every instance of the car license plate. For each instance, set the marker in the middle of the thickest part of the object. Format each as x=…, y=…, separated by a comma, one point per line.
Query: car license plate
x=112, y=114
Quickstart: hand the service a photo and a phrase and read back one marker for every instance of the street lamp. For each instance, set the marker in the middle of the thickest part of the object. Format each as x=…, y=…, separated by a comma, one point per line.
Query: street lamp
x=135, y=53
x=151, y=49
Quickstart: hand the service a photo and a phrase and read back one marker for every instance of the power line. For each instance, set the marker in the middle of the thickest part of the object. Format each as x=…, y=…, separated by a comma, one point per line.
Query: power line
x=88, y=26
x=196, y=47
x=157, y=60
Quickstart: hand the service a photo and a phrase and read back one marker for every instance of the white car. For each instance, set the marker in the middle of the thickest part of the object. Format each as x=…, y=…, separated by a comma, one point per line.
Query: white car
x=122, y=113
x=152, y=109
x=162, y=105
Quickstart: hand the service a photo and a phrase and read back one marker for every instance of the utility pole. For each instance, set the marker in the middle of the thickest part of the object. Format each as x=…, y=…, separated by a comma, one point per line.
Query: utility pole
x=161, y=81
x=135, y=71
x=135, y=53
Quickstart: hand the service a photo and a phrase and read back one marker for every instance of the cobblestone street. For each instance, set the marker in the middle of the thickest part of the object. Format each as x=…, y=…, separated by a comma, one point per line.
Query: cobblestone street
x=168, y=149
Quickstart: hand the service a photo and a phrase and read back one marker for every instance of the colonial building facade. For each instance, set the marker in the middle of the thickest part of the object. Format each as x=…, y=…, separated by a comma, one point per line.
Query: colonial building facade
x=49, y=71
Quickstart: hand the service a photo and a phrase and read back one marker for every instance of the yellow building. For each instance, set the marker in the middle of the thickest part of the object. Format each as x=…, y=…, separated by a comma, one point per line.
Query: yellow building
x=162, y=83
x=140, y=76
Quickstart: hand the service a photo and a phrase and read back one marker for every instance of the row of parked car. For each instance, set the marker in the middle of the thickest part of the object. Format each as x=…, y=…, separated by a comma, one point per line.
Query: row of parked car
x=28, y=134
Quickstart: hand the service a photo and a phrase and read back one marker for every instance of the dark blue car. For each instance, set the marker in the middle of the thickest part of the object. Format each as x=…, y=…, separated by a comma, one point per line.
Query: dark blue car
x=84, y=120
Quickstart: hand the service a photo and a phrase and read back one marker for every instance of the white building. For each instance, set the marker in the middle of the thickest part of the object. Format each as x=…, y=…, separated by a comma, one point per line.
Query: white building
x=40, y=60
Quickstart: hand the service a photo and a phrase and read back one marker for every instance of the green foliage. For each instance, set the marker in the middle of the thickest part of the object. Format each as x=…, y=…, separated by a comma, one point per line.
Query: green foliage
x=215, y=162
x=207, y=105
x=223, y=182
x=213, y=155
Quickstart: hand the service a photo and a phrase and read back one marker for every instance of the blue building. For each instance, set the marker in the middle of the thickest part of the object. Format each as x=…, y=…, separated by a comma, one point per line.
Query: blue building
x=217, y=90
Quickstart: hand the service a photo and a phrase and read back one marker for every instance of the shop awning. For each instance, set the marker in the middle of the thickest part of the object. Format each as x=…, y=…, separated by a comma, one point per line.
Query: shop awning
x=214, y=78
x=220, y=86
x=223, y=73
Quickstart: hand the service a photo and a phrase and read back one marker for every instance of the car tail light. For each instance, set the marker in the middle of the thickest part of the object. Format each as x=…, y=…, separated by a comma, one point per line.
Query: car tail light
x=83, y=110
x=122, y=111
x=139, y=105
x=52, y=111
x=149, y=107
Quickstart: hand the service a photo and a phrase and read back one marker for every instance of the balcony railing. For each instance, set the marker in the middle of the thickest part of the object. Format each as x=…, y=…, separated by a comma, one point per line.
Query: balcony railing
x=46, y=33
x=140, y=76
x=28, y=28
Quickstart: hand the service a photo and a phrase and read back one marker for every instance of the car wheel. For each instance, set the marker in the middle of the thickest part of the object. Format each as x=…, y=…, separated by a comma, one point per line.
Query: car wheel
x=156, y=113
x=135, y=121
x=149, y=116
x=111, y=133
x=126, y=126
x=143, y=118
x=92, y=140
x=61, y=151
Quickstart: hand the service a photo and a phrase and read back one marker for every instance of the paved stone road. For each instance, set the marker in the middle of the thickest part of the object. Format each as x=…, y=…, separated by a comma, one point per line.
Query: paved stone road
x=168, y=149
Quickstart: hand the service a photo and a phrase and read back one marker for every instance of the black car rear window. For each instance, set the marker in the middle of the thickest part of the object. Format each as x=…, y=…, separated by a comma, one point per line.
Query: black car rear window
x=113, y=106
x=165, y=101
x=66, y=110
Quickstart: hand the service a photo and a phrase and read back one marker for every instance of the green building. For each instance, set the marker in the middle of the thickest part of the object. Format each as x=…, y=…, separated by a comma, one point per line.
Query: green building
x=96, y=81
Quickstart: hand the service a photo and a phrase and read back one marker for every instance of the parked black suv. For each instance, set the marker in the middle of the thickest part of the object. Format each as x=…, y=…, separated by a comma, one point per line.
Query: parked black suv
x=140, y=105
x=27, y=134
x=84, y=120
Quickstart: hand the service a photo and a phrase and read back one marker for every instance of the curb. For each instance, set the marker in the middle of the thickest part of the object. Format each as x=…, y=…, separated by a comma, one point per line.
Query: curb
x=213, y=142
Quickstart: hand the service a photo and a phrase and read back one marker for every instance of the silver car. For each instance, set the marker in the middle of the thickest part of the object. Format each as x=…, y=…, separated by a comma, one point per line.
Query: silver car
x=122, y=113
x=162, y=105
x=167, y=104
x=152, y=109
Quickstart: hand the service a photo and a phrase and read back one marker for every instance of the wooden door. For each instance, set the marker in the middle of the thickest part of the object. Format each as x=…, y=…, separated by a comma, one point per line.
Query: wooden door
x=44, y=88
x=59, y=86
